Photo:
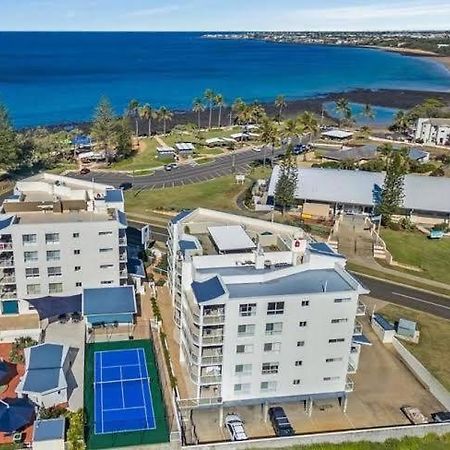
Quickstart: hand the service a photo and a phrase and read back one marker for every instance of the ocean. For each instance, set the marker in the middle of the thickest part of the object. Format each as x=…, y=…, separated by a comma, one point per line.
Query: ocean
x=53, y=78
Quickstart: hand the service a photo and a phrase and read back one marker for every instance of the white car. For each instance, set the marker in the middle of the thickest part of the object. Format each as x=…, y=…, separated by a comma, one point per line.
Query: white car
x=257, y=149
x=235, y=427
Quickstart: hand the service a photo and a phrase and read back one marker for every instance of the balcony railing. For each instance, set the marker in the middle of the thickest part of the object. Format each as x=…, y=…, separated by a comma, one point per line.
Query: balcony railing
x=123, y=274
x=123, y=256
x=8, y=294
x=8, y=279
x=210, y=379
x=357, y=329
x=351, y=369
x=6, y=246
x=213, y=319
x=123, y=241
x=207, y=360
x=349, y=385
x=212, y=340
x=6, y=262
x=361, y=309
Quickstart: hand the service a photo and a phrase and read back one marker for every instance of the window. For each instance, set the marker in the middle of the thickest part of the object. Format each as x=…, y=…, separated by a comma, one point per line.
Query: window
x=302, y=324
x=305, y=302
x=105, y=250
x=76, y=252
x=33, y=289
x=296, y=381
x=54, y=271
x=75, y=235
x=336, y=340
x=28, y=239
x=55, y=288
x=298, y=363
x=331, y=378
x=248, y=348
x=275, y=308
x=77, y=268
x=269, y=368
x=30, y=256
x=247, y=309
x=52, y=238
x=300, y=343
x=242, y=388
x=268, y=386
x=339, y=320
x=342, y=300
x=106, y=266
x=243, y=369
x=274, y=328
x=78, y=284
x=53, y=255
x=329, y=360
x=246, y=330
x=272, y=347
x=106, y=282
x=105, y=233
x=32, y=272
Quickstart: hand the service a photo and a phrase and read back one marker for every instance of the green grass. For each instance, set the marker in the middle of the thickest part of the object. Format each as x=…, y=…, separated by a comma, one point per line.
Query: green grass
x=60, y=168
x=432, y=349
x=216, y=194
x=429, y=442
x=159, y=435
x=415, y=249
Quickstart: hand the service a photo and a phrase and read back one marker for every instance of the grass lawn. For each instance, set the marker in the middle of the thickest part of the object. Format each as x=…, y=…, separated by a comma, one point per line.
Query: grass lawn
x=415, y=249
x=432, y=350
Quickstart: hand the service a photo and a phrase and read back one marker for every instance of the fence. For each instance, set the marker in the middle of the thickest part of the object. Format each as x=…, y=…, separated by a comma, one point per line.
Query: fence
x=426, y=378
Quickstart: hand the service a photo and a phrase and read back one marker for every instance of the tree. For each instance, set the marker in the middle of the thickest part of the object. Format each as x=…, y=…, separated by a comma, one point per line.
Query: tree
x=368, y=112
x=392, y=192
x=104, y=126
x=124, y=143
x=402, y=121
x=220, y=103
x=238, y=106
x=147, y=113
x=280, y=104
x=9, y=146
x=164, y=116
x=292, y=128
x=287, y=182
x=75, y=433
x=133, y=112
x=344, y=110
x=308, y=122
x=269, y=136
x=209, y=95
x=198, y=107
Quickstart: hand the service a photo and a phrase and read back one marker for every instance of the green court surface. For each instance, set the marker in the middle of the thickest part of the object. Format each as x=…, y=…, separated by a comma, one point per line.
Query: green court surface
x=123, y=439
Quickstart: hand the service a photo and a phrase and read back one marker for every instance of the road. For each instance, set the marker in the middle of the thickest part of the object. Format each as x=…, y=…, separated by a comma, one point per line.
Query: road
x=184, y=174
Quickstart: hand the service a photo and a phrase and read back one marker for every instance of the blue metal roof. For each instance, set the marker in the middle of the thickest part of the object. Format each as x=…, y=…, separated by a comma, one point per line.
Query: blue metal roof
x=49, y=430
x=187, y=245
x=416, y=154
x=51, y=306
x=4, y=370
x=361, y=339
x=15, y=413
x=180, y=216
x=6, y=222
x=122, y=218
x=385, y=324
x=114, y=195
x=136, y=267
x=307, y=282
x=81, y=140
x=324, y=249
x=45, y=356
x=207, y=290
x=42, y=380
x=109, y=300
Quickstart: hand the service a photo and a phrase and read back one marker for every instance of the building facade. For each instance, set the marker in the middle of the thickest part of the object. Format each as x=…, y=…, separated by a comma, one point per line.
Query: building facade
x=59, y=235
x=263, y=314
x=433, y=131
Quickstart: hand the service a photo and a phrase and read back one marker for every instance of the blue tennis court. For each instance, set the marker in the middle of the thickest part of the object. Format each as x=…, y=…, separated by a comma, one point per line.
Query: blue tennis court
x=123, y=400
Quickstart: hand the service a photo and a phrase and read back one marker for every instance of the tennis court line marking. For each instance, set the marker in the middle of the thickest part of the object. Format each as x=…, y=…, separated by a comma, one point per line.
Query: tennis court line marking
x=122, y=380
x=121, y=388
x=141, y=351
x=101, y=389
x=122, y=365
x=124, y=409
x=142, y=390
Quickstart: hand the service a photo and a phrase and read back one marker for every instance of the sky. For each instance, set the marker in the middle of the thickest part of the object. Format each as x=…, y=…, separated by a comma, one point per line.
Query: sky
x=226, y=15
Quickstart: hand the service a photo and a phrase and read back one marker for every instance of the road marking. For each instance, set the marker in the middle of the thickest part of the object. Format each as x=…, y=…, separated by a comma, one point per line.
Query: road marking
x=421, y=300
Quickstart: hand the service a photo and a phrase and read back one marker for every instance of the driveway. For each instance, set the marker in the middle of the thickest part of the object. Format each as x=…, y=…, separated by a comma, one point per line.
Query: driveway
x=72, y=335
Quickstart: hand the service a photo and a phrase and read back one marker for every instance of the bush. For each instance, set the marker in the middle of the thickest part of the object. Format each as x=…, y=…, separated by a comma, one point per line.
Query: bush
x=53, y=412
x=394, y=226
x=441, y=227
x=16, y=355
x=438, y=172
x=406, y=224
x=75, y=432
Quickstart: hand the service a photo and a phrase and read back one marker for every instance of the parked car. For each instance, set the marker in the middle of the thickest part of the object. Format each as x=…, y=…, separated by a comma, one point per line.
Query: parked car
x=63, y=318
x=280, y=422
x=257, y=149
x=299, y=149
x=168, y=167
x=174, y=165
x=84, y=171
x=443, y=416
x=126, y=185
x=235, y=427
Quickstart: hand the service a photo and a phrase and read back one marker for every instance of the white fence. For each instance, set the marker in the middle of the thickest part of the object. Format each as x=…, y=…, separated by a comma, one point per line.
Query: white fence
x=12, y=335
x=423, y=374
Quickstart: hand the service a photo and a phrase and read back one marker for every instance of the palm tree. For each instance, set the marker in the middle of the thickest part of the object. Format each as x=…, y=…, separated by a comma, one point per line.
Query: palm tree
x=280, y=104
x=310, y=124
x=237, y=107
x=269, y=136
x=291, y=128
x=198, y=107
x=133, y=111
x=401, y=121
x=219, y=101
x=257, y=113
x=209, y=95
x=146, y=112
x=164, y=116
x=368, y=112
x=343, y=108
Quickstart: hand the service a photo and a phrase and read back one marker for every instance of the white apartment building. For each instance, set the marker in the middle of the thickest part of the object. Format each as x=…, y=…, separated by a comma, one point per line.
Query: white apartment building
x=59, y=235
x=433, y=131
x=263, y=313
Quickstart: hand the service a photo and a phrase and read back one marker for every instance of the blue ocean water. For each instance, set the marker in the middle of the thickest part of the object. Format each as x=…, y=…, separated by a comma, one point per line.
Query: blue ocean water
x=58, y=77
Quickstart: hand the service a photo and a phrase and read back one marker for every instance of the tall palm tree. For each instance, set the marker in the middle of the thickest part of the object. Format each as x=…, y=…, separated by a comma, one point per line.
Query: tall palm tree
x=257, y=113
x=310, y=124
x=164, y=116
x=280, y=104
x=220, y=102
x=343, y=108
x=401, y=121
x=237, y=107
x=209, y=95
x=198, y=107
x=368, y=112
x=146, y=112
x=291, y=128
x=269, y=136
x=133, y=111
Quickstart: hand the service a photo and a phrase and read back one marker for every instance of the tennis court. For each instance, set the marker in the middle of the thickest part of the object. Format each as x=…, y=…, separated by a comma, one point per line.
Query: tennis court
x=123, y=401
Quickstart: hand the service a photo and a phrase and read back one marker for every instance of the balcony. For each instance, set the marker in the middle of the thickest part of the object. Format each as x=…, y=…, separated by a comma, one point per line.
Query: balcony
x=213, y=319
x=123, y=240
x=7, y=262
x=357, y=329
x=351, y=369
x=8, y=279
x=123, y=274
x=208, y=360
x=123, y=256
x=213, y=339
x=361, y=309
x=349, y=385
x=8, y=294
x=210, y=379
x=6, y=246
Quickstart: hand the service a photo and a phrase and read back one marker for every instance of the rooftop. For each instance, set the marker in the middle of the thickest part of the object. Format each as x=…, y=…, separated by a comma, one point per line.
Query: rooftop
x=65, y=217
x=230, y=238
x=49, y=429
x=208, y=290
x=109, y=300
x=337, y=134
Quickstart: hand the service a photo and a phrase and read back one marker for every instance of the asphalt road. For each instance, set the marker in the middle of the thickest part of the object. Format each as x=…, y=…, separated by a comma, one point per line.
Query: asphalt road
x=185, y=174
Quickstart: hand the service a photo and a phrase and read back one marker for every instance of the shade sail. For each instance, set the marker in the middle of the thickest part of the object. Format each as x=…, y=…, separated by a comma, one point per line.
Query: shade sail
x=48, y=307
x=15, y=413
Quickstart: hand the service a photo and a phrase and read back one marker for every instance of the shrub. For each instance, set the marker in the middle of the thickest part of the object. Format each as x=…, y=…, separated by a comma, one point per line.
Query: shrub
x=16, y=355
x=75, y=432
x=53, y=412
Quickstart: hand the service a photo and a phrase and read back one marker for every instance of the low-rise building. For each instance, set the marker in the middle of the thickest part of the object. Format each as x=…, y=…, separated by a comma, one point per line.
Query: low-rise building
x=49, y=434
x=264, y=315
x=433, y=131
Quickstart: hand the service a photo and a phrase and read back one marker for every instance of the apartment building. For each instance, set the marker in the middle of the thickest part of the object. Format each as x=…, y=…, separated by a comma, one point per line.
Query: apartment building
x=263, y=313
x=433, y=131
x=59, y=235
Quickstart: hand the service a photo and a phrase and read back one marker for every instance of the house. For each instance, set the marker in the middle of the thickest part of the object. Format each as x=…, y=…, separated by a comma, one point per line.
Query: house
x=433, y=131
x=184, y=148
x=109, y=305
x=165, y=151
x=45, y=379
x=337, y=135
x=418, y=155
x=356, y=154
x=49, y=434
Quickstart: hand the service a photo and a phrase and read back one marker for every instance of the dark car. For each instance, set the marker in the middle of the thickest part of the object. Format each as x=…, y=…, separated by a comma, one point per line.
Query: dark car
x=84, y=171
x=443, y=416
x=280, y=422
x=299, y=149
x=126, y=185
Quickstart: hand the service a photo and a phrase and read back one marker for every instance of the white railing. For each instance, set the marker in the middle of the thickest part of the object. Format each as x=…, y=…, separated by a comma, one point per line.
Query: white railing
x=8, y=279
x=349, y=386
x=212, y=339
x=6, y=262
x=213, y=319
x=8, y=294
x=210, y=379
x=6, y=246
x=212, y=360
x=122, y=241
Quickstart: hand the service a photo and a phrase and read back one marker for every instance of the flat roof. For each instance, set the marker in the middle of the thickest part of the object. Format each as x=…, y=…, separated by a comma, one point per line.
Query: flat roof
x=114, y=196
x=64, y=217
x=230, y=238
x=339, y=134
x=207, y=290
x=109, y=300
x=49, y=429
